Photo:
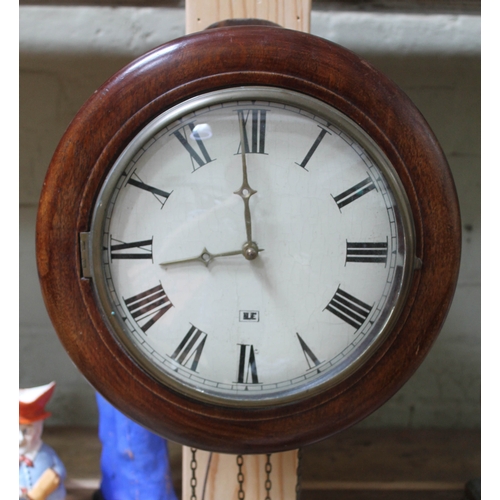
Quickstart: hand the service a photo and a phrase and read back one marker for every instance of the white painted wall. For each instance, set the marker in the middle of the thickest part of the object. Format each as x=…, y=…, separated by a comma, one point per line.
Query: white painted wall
x=67, y=52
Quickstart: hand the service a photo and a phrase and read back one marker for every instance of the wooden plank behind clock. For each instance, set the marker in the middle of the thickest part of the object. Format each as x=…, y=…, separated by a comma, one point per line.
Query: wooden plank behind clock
x=292, y=14
x=216, y=473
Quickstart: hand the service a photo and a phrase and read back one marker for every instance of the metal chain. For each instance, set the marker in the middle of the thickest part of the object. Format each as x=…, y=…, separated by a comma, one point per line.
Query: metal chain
x=240, y=477
x=298, y=486
x=194, y=465
x=268, y=483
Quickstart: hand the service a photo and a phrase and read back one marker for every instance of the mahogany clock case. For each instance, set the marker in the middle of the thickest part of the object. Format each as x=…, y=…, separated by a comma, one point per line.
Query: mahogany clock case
x=219, y=58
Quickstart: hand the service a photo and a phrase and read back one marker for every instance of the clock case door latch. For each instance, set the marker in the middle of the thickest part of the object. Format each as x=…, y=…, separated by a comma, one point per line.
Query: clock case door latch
x=85, y=246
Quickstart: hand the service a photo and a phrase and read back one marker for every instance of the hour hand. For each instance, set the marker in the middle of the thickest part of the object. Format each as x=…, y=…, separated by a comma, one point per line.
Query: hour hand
x=206, y=257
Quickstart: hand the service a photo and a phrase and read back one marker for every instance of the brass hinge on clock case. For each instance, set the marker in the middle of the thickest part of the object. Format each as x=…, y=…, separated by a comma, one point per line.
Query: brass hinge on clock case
x=85, y=245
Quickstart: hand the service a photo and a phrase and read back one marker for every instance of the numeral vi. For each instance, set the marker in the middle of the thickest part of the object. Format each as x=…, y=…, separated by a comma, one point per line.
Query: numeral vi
x=247, y=366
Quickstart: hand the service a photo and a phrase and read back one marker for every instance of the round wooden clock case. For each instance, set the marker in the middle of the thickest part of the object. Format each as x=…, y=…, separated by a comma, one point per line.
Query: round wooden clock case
x=232, y=57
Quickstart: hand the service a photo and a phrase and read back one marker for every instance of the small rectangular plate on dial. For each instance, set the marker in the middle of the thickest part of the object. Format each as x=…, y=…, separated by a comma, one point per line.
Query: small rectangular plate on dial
x=249, y=316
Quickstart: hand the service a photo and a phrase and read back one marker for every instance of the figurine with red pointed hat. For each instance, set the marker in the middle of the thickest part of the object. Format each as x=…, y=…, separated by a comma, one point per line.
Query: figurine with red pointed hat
x=41, y=472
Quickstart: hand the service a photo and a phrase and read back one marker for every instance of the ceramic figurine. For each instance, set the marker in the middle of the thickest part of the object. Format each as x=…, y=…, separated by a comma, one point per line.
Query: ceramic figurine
x=134, y=461
x=41, y=472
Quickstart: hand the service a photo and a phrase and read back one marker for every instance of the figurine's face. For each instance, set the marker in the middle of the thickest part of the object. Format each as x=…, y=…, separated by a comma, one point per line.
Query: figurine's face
x=30, y=437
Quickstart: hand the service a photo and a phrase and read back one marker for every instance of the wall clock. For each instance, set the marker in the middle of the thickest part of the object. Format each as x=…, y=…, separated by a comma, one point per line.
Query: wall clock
x=248, y=239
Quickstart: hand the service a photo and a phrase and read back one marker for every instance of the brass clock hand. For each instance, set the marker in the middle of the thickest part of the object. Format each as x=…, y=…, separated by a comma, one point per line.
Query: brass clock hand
x=206, y=257
x=246, y=192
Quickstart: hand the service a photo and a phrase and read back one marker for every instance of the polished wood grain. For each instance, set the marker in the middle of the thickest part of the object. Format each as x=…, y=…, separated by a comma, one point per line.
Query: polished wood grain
x=183, y=68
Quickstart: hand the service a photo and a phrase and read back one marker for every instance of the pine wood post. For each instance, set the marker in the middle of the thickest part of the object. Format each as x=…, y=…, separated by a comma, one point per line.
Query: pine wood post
x=292, y=14
x=217, y=474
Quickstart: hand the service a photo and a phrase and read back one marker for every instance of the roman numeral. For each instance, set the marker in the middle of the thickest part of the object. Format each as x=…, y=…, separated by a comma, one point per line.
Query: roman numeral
x=247, y=368
x=257, y=118
x=148, y=307
x=348, y=308
x=315, y=145
x=186, y=135
x=144, y=249
x=161, y=196
x=366, y=252
x=190, y=348
x=354, y=193
x=311, y=359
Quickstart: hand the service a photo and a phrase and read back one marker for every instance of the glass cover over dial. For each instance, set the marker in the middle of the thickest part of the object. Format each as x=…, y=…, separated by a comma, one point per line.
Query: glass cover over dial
x=251, y=246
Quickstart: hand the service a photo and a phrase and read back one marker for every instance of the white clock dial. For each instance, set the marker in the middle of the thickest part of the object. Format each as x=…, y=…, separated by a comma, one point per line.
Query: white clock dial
x=252, y=244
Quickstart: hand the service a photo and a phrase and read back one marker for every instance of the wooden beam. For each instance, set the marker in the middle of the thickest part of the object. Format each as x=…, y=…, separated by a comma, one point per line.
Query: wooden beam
x=295, y=14
x=217, y=475
x=221, y=475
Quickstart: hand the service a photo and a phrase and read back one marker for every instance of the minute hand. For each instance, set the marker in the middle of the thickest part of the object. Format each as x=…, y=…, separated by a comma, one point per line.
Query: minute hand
x=245, y=190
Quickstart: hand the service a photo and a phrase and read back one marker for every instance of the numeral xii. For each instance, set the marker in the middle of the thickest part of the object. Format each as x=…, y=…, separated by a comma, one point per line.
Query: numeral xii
x=258, y=120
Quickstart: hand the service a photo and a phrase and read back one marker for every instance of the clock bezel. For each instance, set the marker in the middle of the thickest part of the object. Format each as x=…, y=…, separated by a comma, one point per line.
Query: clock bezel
x=181, y=69
x=330, y=116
